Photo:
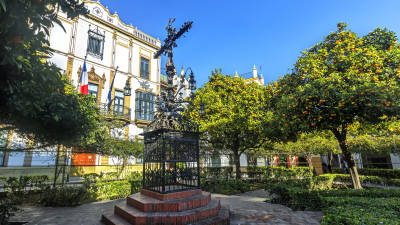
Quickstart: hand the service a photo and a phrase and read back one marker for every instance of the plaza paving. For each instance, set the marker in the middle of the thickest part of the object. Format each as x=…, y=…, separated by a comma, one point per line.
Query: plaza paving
x=246, y=209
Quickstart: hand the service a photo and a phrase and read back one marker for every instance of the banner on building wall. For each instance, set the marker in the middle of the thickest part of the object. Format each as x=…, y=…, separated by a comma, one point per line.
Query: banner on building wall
x=82, y=159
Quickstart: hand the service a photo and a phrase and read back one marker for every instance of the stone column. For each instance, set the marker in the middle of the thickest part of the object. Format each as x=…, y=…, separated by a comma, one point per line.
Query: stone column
x=7, y=153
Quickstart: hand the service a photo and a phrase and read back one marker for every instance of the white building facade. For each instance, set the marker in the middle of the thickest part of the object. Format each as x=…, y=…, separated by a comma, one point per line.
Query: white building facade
x=106, y=43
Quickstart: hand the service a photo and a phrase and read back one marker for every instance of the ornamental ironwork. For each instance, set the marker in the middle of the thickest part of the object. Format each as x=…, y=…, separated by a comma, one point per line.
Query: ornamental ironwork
x=171, y=141
x=95, y=46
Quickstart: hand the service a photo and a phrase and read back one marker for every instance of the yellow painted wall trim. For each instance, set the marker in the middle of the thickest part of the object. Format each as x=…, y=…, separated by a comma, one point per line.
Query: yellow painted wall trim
x=70, y=63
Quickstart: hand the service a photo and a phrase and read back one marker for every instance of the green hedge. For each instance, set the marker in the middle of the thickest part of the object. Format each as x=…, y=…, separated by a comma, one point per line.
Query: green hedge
x=367, y=193
x=368, y=206
x=384, y=173
x=283, y=173
x=114, y=189
x=360, y=210
x=296, y=198
x=327, y=181
x=18, y=184
x=63, y=196
x=259, y=172
x=395, y=182
x=229, y=187
x=225, y=172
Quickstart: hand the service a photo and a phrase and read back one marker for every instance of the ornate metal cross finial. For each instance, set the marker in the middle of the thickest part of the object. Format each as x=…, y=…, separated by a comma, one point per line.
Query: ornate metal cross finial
x=168, y=102
x=169, y=43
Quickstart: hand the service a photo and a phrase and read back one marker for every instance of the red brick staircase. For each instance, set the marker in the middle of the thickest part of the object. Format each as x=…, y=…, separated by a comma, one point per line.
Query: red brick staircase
x=185, y=207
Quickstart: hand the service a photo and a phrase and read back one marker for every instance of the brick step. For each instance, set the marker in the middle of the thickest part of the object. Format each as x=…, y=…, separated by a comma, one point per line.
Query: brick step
x=137, y=217
x=223, y=218
x=171, y=196
x=109, y=218
x=149, y=204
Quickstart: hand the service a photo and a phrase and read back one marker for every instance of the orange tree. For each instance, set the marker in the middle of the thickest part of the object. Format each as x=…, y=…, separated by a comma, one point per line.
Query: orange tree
x=342, y=80
x=235, y=112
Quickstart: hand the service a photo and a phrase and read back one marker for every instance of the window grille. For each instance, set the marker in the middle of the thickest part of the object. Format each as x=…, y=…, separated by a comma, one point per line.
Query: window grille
x=95, y=43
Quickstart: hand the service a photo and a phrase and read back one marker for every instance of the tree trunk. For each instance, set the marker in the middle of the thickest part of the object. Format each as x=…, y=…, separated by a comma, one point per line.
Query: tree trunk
x=56, y=166
x=236, y=159
x=309, y=162
x=251, y=159
x=330, y=159
x=341, y=137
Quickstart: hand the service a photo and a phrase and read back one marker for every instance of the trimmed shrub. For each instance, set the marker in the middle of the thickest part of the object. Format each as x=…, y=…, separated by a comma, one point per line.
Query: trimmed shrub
x=15, y=184
x=229, y=187
x=110, y=190
x=296, y=198
x=7, y=208
x=283, y=173
x=395, y=182
x=384, y=173
x=299, y=198
x=362, y=211
x=63, y=196
x=330, y=181
x=367, y=193
x=217, y=172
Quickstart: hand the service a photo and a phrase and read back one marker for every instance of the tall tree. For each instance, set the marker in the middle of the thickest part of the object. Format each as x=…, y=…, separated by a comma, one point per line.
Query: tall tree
x=234, y=114
x=342, y=80
x=35, y=98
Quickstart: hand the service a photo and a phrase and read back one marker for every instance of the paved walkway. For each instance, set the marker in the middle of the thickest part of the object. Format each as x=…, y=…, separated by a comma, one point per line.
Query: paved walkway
x=246, y=209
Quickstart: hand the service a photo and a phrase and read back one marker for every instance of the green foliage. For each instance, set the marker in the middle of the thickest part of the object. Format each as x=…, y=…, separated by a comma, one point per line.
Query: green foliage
x=284, y=174
x=296, y=197
x=367, y=193
x=384, y=173
x=63, y=196
x=341, y=81
x=103, y=140
x=34, y=96
x=395, y=182
x=224, y=172
x=327, y=181
x=356, y=210
x=105, y=186
x=309, y=143
x=235, y=112
x=7, y=208
x=111, y=190
x=229, y=187
x=370, y=206
x=15, y=184
x=377, y=145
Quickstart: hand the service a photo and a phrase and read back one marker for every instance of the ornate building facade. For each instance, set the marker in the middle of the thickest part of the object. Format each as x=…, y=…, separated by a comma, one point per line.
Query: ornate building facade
x=107, y=44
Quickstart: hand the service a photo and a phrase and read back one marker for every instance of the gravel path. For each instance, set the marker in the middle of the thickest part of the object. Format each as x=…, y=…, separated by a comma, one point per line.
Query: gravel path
x=246, y=209
x=251, y=208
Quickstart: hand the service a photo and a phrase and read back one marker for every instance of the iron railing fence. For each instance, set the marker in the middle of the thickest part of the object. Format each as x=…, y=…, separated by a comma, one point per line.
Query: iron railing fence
x=115, y=111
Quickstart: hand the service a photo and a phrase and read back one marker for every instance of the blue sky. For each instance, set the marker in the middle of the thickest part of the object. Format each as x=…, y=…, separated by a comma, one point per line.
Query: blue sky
x=235, y=35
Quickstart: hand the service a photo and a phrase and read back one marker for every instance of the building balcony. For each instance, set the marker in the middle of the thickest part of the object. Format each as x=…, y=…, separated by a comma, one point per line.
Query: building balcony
x=115, y=112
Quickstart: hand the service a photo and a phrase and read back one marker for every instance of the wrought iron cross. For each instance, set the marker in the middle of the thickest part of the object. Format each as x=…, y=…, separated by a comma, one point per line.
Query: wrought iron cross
x=168, y=103
x=166, y=49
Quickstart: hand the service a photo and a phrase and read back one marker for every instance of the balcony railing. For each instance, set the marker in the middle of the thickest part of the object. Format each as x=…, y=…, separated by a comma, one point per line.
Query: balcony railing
x=117, y=111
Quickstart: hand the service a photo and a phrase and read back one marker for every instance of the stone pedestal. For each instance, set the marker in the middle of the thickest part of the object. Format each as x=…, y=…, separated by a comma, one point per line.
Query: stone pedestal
x=184, y=207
